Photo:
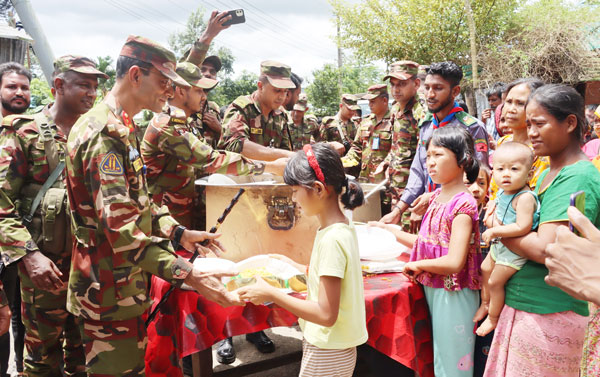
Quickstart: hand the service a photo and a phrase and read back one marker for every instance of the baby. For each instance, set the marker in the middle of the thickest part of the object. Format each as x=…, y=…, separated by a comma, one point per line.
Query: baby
x=517, y=214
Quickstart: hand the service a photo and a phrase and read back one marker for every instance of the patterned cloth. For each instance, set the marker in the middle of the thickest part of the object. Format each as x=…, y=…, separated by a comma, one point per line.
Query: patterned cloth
x=305, y=133
x=329, y=129
x=434, y=239
x=244, y=121
x=590, y=362
x=539, y=165
x=316, y=362
x=371, y=146
x=536, y=345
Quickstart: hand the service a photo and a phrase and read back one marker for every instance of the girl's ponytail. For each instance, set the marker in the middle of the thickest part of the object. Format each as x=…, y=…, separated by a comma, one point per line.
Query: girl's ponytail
x=353, y=195
x=472, y=169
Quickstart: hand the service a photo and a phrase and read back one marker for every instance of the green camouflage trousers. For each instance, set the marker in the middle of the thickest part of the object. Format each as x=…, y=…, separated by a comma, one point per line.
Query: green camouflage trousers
x=51, y=332
x=114, y=348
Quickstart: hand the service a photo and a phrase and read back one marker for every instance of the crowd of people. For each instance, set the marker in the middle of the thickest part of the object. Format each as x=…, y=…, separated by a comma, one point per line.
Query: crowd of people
x=91, y=206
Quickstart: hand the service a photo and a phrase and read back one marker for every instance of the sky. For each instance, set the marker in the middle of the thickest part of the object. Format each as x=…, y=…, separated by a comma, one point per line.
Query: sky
x=298, y=33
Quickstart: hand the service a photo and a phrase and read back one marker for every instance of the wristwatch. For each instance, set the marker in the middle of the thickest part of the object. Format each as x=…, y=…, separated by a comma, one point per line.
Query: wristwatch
x=178, y=233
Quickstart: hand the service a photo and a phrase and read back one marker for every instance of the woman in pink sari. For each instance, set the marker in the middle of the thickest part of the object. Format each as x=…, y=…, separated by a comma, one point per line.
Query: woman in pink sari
x=541, y=329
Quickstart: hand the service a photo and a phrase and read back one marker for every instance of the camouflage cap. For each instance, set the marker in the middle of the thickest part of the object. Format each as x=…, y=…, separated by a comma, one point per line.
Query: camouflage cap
x=350, y=101
x=423, y=69
x=215, y=61
x=278, y=74
x=375, y=91
x=79, y=64
x=300, y=107
x=303, y=99
x=192, y=75
x=148, y=51
x=403, y=70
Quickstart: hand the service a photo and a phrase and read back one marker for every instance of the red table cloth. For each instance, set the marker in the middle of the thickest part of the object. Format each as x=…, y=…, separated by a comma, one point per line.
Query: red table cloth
x=397, y=321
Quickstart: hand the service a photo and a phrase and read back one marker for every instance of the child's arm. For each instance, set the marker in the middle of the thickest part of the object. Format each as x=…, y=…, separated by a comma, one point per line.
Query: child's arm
x=454, y=261
x=323, y=312
x=525, y=207
x=405, y=238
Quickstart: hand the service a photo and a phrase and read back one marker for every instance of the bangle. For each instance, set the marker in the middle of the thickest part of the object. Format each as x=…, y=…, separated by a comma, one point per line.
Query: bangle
x=178, y=233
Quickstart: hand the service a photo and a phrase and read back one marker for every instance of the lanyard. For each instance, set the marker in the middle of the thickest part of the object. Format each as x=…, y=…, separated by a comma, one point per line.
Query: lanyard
x=448, y=118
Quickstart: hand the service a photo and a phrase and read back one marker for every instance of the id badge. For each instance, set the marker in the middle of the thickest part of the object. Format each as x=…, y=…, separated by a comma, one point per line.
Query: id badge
x=375, y=143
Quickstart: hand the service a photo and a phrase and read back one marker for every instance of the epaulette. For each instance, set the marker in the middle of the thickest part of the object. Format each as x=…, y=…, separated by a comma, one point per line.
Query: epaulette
x=465, y=118
x=117, y=130
x=16, y=120
x=427, y=118
x=177, y=116
x=242, y=101
x=327, y=119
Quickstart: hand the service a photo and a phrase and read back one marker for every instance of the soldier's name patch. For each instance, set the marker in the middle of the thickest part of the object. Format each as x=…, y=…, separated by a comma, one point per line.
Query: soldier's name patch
x=256, y=131
x=111, y=165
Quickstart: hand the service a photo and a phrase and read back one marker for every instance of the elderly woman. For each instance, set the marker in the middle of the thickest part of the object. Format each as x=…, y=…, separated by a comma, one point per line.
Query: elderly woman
x=541, y=329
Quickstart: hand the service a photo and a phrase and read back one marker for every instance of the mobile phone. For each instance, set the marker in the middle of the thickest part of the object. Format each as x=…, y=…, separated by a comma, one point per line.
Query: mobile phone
x=237, y=17
x=577, y=201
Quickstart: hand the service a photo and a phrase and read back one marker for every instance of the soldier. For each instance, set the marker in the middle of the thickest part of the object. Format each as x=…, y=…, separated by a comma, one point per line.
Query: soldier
x=121, y=237
x=406, y=114
x=172, y=150
x=14, y=101
x=373, y=139
x=442, y=85
x=33, y=220
x=255, y=125
x=341, y=127
x=310, y=118
x=303, y=129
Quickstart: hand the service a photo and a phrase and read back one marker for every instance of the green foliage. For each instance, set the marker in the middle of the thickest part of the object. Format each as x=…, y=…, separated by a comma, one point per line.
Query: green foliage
x=181, y=41
x=105, y=64
x=421, y=30
x=229, y=89
x=40, y=94
x=324, y=91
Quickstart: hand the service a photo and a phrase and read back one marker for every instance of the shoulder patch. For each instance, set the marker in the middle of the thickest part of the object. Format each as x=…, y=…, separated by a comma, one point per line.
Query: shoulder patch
x=111, y=165
x=242, y=101
x=177, y=116
x=465, y=118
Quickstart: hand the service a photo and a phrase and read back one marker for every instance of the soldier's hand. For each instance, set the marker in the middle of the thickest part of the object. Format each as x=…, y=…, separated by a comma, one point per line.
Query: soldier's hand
x=276, y=167
x=415, y=222
x=211, y=120
x=4, y=319
x=42, y=271
x=215, y=24
x=339, y=147
x=191, y=240
x=393, y=217
x=381, y=168
x=209, y=285
x=419, y=206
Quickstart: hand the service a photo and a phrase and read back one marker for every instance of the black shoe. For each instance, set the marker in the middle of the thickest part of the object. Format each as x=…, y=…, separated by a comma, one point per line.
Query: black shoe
x=261, y=341
x=226, y=352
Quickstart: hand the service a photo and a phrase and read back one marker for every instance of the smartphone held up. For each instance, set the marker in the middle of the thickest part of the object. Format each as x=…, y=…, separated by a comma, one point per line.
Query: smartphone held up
x=237, y=17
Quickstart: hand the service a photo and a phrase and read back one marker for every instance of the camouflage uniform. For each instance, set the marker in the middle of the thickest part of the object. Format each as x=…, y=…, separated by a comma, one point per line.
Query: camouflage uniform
x=244, y=121
x=372, y=143
x=329, y=130
x=305, y=133
x=121, y=237
x=173, y=153
x=203, y=131
x=38, y=149
x=405, y=131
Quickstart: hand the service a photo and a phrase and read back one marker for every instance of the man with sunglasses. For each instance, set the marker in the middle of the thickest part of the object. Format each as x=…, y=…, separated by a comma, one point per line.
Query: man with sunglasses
x=121, y=237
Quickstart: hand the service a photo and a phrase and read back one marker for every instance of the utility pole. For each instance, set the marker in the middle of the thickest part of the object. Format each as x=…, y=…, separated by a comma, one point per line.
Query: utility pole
x=41, y=47
x=339, y=58
x=472, y=33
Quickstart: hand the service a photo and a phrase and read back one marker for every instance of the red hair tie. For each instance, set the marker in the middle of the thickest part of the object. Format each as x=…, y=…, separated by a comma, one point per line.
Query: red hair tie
x=314, y=164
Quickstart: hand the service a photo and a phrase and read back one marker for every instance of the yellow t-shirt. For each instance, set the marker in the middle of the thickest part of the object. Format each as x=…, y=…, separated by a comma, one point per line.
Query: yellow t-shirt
x=335, y=253
x=539, y=165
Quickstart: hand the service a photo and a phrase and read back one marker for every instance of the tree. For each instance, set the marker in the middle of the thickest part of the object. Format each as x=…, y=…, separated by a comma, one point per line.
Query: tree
x=421, y=30
x=40, y=94
x=545, y=39
x=324, y=91
x=105, y=64
x=229, y=89
x=182, y=41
